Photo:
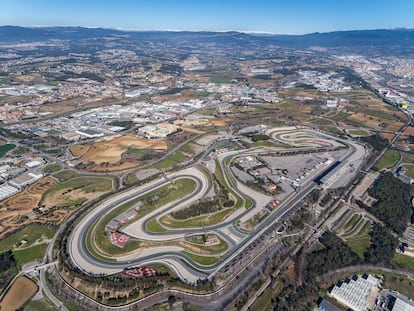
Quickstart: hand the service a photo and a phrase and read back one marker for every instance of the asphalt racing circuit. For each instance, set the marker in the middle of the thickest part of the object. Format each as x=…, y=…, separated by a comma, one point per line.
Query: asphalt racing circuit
x=166, y=247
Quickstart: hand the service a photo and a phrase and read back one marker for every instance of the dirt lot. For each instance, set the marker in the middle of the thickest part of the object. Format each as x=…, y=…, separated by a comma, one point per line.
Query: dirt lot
x=200, y=122
x=20, y=292
x=14, y=208
x=409, y=131
x=85, y=188
x=388, y=136
x=365, y=184
x=110, y=151
x=79, y=150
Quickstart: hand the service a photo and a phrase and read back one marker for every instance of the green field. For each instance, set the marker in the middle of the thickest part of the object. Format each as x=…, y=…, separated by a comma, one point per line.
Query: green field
x=403, y=261
x=6, y=148
x=86, y=183
x=196, y=222
x=65, y=175
x=360, y=133
x=407, y=157
x=410, y=170
x=388, y=160
x=34, y=253
x=400, y=283
x=360, y=240
x=338, y=116
x=52, y=168
x=152, y=226
x=31, y=234
x=352, y=222
x=38, y=305
x=171, y=161
x=264, y=301
x=53, y=132
x=203, y=260
x=136, y=151
x=207, y=112
x=21, y=150
x=213, y=249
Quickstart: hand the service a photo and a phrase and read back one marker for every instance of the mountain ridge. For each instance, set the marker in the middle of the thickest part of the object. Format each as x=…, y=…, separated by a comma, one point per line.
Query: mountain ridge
x=374, y=37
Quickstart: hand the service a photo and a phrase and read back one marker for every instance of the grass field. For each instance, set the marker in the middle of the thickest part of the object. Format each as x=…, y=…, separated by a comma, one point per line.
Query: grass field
x=31, y=234
x=360, y=133
x=65, y=175
x=403, y=261
x=400, y=283
x=338, y=116
x=407, y=157
x=196, y=222
x=87, y=183
x=388, y=160
x=52, y=168
x=352, y=222
x=38, y=305
x=6, y=148
x=360, y=240
x=171, y=161
x=410, y=170
x=264, y=301
x=203, y=260
x=152, y=226
x=31, y=254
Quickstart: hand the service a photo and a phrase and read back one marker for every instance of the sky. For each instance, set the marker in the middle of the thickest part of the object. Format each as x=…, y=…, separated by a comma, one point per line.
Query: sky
x=274, y=16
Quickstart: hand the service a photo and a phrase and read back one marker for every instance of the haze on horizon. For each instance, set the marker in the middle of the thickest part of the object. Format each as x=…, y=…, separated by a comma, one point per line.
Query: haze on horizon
x=276, y=16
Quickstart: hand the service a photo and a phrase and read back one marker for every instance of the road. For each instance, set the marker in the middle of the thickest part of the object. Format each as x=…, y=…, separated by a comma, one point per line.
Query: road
x=174, y=257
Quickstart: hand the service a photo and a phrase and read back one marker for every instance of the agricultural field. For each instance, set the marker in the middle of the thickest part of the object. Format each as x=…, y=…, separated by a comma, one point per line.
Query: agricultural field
x=107, y=155
x=388, y=160
x=19, y=293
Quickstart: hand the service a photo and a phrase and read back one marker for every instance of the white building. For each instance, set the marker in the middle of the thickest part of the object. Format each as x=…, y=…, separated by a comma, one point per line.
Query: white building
x=33, y=164
x=355, y=293
x=153, y=132
x=332, y=103
x=25, y=179
x=7, y=191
